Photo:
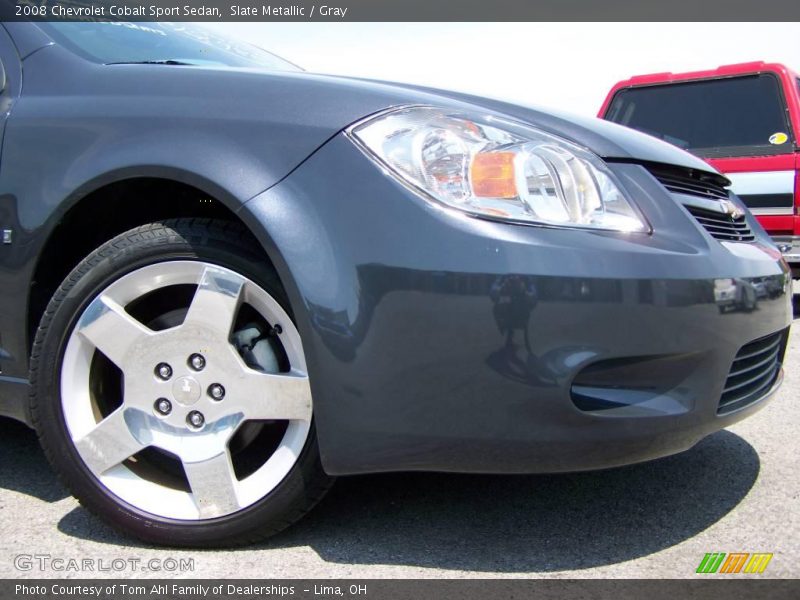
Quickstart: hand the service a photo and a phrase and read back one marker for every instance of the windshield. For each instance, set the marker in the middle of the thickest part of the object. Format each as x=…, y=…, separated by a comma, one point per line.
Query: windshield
x=738, y=116
x=119, y=42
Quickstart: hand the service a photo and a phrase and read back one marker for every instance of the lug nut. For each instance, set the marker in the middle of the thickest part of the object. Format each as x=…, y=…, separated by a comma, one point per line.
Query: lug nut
x=195, y=419
x=216, y=391
x=163, y=406
x=197, y=362
x=163, y=371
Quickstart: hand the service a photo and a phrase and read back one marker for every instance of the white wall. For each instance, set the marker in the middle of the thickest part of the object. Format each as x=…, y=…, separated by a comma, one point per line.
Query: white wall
x=565, y=65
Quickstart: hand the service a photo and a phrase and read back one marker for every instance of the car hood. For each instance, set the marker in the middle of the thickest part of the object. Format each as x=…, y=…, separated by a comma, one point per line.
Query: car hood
x=283, y=117
x=608, y=140
x=323, y=105
x=353, y=99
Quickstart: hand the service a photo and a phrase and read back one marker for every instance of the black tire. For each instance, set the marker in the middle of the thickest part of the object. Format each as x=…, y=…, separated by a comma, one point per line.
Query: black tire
x=228, y=245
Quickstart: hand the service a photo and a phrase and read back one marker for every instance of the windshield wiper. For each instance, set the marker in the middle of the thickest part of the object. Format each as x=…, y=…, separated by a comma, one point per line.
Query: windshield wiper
x=168, y=61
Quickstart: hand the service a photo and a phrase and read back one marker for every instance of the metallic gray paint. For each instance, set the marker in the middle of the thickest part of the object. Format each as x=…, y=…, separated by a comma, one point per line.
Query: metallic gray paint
x=395, y=298
x=410, y=369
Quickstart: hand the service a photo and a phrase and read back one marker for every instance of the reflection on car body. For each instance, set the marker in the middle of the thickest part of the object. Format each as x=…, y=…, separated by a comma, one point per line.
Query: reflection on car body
x=290, y=277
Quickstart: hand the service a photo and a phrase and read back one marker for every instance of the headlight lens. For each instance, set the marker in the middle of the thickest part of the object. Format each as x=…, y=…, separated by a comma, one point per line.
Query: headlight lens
x=497, y=169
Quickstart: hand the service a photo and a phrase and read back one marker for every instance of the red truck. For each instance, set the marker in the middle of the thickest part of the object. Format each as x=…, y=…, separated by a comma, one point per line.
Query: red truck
x=744, y=119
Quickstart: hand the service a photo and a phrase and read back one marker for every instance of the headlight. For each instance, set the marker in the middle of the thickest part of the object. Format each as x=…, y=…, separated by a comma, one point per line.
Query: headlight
x=498, y=169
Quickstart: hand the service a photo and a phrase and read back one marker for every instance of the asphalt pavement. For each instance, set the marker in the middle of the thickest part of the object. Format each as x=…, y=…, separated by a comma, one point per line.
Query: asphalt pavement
x=736, y=491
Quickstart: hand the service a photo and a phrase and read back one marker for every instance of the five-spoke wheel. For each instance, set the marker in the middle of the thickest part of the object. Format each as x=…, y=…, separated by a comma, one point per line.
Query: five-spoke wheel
x=182, y=390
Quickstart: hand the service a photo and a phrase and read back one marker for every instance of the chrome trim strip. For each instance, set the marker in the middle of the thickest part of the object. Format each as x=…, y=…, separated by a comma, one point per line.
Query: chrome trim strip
x=763, y=182
x=772, y=211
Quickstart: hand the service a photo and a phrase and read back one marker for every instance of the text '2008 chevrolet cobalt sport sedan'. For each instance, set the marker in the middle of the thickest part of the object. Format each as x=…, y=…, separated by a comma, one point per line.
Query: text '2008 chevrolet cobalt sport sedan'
x=225, y=281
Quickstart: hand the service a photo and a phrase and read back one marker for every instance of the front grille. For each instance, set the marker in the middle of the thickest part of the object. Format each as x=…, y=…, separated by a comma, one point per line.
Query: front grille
x=691, y=182
x=721, y=226
x=753, y=372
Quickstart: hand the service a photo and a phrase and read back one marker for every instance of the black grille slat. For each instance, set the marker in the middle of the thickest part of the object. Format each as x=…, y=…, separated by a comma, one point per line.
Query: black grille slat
x=733, y=238
x=736, y=227
x=753, y=364
x=708, y=186
x=758, y=347
x=722, y=226
x=745, y=392
x=689, y=181
x=719, y=229
x=734, y=402
x=754, y=370
x=733, y=228
x=695, y=190
x=735, y=382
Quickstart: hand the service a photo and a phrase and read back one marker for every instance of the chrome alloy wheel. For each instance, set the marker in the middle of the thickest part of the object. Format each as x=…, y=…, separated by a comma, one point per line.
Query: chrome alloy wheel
x=185, y=392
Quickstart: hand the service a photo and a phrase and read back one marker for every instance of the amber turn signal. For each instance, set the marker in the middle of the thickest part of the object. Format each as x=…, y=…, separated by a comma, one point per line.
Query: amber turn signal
x=492, y=175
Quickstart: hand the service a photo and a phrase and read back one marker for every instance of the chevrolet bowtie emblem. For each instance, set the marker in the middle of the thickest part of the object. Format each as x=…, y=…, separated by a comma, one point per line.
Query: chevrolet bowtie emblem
x=730, y=209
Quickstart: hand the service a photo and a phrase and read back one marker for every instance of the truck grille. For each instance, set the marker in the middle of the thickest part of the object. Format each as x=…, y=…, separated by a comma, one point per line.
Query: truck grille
x=753, y=372
x=690, y=182
x=721, y=226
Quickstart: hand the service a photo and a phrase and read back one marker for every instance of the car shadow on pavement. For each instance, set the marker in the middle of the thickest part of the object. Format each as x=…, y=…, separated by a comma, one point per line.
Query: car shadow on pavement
x=511, y=524
x=530, y=523
x=23, y=467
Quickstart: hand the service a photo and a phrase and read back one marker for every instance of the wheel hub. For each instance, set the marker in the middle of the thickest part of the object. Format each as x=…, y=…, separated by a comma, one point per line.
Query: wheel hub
x=186, y=391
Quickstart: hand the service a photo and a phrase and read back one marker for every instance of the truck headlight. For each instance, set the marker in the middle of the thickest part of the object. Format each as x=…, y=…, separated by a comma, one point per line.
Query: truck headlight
x=498, y=169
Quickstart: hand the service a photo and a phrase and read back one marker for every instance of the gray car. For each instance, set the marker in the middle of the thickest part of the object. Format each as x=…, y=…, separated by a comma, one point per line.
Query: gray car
x=224, y=281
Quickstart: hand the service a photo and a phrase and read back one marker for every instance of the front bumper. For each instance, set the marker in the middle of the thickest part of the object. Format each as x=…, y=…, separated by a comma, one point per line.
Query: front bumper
x=436, y=341
x=789, y=246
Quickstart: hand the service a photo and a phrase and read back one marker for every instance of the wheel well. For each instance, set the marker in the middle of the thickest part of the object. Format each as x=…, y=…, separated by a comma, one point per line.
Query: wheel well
x=104, y=214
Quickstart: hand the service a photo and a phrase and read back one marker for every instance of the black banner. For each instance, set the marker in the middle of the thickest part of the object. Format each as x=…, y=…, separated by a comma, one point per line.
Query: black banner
x=388, y=589
x=400, y=10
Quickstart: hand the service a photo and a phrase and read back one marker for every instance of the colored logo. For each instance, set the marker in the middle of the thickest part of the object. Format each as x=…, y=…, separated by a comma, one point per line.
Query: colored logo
x=776, y=139
x=735, y=562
